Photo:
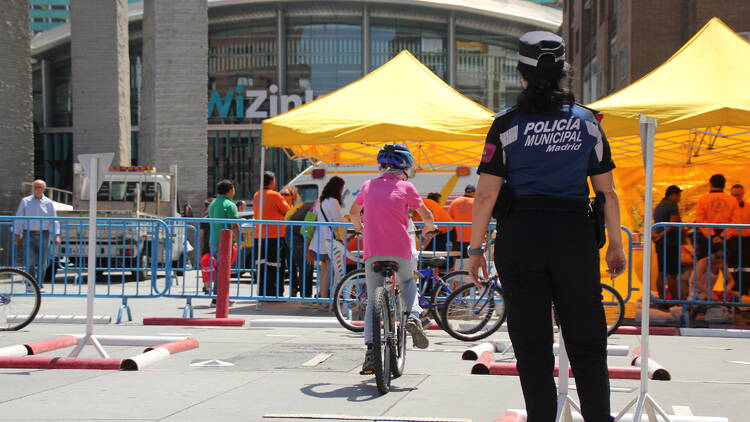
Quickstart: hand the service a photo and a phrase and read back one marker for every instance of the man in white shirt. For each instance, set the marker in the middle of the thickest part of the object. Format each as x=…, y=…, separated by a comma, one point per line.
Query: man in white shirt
x=37, y=235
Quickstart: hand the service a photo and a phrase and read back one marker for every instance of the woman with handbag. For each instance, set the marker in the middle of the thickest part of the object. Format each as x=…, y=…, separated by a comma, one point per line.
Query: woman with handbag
x=328, y=210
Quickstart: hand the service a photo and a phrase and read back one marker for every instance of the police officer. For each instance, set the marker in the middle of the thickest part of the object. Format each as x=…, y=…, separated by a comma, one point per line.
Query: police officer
x=539, y=154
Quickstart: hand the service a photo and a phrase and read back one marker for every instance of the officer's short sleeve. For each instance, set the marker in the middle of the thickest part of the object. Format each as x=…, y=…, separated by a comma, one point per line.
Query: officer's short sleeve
x=492, y=155
x=601, y=156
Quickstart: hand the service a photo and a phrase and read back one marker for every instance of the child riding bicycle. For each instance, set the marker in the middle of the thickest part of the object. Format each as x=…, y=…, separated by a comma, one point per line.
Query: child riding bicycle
x=386, y=201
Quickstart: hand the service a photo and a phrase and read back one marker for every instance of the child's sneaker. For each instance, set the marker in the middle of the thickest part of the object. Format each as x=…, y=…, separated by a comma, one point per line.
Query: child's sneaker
x=414, y=327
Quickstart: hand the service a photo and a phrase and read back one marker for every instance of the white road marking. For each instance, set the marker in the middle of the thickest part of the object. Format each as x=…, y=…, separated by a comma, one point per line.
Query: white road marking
x=741, y=362
x=283, y=335
x=318, y=359
x=362, y=418
x=212, y=362
x=682, y=411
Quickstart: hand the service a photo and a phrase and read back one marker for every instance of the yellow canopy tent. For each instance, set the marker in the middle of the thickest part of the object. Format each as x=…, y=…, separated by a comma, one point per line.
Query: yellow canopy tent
x=402, y=101
x=700, y=98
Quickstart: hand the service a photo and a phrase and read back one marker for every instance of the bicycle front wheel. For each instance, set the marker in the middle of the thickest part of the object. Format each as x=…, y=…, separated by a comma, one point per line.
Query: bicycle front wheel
x=19, y=299
x=397, y=341
x=470, y=314
x=614, y=308
x=381, y=332
x=350, y=301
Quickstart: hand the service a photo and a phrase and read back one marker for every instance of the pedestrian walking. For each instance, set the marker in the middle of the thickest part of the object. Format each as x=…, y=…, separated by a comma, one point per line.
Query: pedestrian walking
x=37, y=236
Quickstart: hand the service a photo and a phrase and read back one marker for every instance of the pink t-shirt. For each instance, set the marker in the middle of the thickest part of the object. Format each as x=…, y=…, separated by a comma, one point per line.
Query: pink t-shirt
x=386, y=200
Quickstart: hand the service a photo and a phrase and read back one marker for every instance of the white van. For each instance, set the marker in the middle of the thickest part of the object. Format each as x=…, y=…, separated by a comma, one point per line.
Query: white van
x=449, y=182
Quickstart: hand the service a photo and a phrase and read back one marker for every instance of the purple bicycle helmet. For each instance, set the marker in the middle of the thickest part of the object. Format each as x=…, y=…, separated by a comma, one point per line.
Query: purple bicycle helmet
x=395, y=156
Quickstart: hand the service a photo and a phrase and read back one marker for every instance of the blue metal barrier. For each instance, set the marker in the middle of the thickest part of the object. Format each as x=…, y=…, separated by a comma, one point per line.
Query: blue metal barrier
x=725, y=250
x=174, y=257
x=129, y=252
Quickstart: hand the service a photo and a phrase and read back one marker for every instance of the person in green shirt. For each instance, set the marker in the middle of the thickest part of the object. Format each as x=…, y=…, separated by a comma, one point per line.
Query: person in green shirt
x=222, y=207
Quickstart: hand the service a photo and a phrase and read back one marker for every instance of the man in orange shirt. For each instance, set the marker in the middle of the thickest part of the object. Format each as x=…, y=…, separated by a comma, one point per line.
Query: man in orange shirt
x=460, y=210
x=271, y=275
x=439, y=242
x=742, y=281
x=715, y=207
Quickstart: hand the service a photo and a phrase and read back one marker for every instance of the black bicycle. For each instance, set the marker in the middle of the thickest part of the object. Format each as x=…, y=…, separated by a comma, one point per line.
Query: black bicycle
x=388, y=326
x=19, y=299
x=350, y=295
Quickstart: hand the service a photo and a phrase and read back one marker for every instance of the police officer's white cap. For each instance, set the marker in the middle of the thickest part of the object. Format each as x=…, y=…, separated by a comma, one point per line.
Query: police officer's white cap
x=534, y=45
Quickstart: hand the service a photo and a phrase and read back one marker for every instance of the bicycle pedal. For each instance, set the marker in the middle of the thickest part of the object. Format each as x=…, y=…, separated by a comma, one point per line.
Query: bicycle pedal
x=366, y=372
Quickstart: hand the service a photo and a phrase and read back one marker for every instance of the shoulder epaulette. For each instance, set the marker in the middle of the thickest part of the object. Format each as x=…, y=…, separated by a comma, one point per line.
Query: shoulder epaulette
x=594, y=113
x=504, y=112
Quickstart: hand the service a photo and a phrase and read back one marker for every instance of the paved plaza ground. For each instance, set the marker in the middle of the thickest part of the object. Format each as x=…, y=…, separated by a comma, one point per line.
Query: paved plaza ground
x=270, y=371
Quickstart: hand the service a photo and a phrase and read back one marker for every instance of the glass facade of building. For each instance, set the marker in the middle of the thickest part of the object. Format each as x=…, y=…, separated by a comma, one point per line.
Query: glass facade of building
x=267, y=58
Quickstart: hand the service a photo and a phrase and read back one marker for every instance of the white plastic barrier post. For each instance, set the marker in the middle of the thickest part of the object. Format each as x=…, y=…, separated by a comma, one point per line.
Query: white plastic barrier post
x=95, y=166
x=476, y=351
x=16, y=351
x=565, y=405
x=644, y=401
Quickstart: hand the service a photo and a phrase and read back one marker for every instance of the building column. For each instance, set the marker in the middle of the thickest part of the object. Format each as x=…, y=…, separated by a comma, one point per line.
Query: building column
x=452, y=67
x=282, y=53
x=173, y=123
x=16, y=120
x=100, y=71
x=365, y=40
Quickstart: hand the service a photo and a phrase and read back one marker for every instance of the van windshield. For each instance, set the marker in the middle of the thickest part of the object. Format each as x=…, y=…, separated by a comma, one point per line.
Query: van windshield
x=126, y=191
x=308, y=193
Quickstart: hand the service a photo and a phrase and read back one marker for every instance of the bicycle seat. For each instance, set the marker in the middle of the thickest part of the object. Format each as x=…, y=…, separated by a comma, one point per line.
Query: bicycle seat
x=385, y=267
x=434, y=261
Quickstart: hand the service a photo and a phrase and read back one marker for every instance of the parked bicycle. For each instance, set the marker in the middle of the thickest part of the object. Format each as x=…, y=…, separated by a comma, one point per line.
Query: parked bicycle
x=470, y=314
x=19, y=299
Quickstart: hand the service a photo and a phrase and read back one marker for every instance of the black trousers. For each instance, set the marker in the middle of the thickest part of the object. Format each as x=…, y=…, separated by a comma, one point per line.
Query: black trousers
x=300, y=272
x=545, y=258
x=271, y=276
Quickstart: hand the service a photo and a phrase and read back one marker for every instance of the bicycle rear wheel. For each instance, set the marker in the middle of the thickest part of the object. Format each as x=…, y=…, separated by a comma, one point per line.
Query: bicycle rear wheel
x=19, y=299
x=470, y=314
x=350, y=301
x=614, y=308
x=397, y=341
x=440, y=293
x=381, y=327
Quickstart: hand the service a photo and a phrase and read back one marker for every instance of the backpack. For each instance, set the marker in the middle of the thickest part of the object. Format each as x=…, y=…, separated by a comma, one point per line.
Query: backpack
x=309, y=215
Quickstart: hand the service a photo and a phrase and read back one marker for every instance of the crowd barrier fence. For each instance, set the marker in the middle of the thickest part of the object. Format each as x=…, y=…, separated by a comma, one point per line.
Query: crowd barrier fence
x=133, y=256
x=148, y=258
x=693, y=257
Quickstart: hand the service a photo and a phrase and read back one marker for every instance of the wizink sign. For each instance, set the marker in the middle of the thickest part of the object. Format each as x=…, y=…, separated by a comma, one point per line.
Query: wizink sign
x=253, y=104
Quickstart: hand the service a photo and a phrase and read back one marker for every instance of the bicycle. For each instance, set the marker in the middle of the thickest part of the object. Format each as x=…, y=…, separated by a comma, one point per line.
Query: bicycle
x=350, y=295
x=469, y=315
x=19, y=299
x=389, y=327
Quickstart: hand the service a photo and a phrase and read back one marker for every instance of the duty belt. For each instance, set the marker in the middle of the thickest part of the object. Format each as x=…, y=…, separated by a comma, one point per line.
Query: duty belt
x=550, y=203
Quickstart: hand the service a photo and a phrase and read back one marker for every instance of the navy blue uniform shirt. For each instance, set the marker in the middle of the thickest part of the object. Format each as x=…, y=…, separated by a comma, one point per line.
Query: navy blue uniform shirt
x=549, y=155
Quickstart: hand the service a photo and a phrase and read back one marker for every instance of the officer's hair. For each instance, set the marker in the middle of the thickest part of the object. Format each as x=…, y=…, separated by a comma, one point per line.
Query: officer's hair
x=223, y=187
x=738, y=186
x=434, y=196
x=544, y=93
x=718, y=181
